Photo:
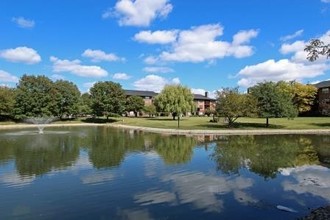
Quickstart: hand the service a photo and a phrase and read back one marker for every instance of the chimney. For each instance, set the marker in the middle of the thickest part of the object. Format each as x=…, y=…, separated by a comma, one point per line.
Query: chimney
x=206, y=94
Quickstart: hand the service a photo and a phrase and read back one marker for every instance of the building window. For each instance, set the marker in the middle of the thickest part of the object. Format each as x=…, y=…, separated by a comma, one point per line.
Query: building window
x=325, y=90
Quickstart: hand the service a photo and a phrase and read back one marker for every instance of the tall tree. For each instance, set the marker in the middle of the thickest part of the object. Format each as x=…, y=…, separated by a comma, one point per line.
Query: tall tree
x=272, y=102
x=107, y=97
x=317, y=47
x=231, y=104
x=303, y=96
x=85, y=106
x=7, y=100
x=35, y=97
x=176, y=99
x=134, y=103
x=67, y=98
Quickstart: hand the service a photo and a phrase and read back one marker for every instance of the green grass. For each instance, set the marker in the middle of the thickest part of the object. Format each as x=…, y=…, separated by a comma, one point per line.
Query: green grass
x=242, y=123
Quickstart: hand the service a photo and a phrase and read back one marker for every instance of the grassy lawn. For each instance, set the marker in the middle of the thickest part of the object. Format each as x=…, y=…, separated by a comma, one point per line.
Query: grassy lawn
x=242, y=123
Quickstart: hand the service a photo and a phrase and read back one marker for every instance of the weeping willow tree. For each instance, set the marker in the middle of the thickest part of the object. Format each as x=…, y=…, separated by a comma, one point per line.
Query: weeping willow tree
x=175, y=99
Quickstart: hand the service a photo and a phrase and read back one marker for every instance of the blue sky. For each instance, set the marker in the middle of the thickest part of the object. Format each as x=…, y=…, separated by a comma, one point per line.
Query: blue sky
x=145, y=44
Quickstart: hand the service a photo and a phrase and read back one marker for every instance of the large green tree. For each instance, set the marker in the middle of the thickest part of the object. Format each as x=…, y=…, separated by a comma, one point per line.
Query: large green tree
x=107, y=98
x=231, y=104
x=35, y=97
x=67, y=98
x=176, y=99
x=272, y=102
x=317, y=47
x=7, y=100
x=85, y=106
x=303, y=96
x=134, y=103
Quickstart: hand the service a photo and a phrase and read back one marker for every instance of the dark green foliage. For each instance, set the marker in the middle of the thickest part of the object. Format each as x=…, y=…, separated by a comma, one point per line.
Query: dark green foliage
x=7, y=100
x=67, y=98
x=135, y=104
x=35, y=97
x=272, y=102
x=107, y=97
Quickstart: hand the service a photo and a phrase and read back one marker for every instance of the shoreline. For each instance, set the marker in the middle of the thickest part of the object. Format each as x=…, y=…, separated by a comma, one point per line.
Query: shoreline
x=179, y=131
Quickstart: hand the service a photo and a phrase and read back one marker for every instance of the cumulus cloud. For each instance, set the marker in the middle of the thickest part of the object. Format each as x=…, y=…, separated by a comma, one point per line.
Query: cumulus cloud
x=292, y=36
x=154, y=83
x=199, y=44
x=121, y=76
x=325, y=1
x=150, y=60
x=99, y=55
x=23, y=23
x=156, y=37
x=296, y=67
x=7, y=77
x=75, y=67
x=21, y=55
x=158, y=69
x=211, y=94
x=284, y=69
x=139, y=12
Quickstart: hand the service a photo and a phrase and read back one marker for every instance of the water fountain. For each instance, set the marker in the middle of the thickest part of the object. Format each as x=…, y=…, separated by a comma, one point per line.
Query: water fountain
x=41, y=122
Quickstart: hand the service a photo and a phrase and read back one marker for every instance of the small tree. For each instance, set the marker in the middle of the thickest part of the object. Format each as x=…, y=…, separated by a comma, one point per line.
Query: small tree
x=107, y=98
x=150, y=110
x=176, y=99
x=231, y=104
x=134, y=103
x=272, y=102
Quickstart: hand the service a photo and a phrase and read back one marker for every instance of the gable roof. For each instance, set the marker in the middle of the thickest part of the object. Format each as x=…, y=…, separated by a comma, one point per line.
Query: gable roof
x=153, y=94
x=322, y=84
x=140, y=93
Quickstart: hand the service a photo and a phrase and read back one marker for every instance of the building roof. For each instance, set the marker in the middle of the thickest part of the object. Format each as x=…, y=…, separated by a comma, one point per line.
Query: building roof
x=140, y=93
x=202, y=97
x=322, y=84
x=153, y=94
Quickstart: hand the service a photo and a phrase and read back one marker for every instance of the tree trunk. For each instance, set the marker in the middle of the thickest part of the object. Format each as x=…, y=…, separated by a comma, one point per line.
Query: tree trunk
x=267, y=122
x=178, y=121
x=136, y=114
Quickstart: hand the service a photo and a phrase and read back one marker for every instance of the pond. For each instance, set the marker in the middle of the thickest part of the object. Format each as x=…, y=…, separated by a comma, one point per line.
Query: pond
x=107, y=173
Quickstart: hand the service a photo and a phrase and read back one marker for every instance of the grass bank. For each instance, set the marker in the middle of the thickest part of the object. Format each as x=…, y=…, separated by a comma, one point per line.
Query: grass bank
x=203, y=123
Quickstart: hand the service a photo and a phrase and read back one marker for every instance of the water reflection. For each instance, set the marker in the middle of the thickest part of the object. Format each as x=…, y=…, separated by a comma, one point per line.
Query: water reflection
x=121, y=174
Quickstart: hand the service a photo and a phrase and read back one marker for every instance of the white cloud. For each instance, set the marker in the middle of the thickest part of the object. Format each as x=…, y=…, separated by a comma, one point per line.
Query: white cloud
x=121, y=76
x=154, y=83
x=211, y=94
x=157, y=69
x=21, y=55
x=292, y=36
x=325, y=1
x=297, y=67
x=200, y=44
x=23, y=23
x=99, y=55
x=7, y=77
x=76, y=68
x=284, y=69
x=157, y=37
x=311, y=180
x=139, y=12
x=150, y=60
x=57, y=77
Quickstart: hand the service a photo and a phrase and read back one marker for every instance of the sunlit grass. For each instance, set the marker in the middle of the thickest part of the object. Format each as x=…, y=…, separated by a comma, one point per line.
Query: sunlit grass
x=241, y=123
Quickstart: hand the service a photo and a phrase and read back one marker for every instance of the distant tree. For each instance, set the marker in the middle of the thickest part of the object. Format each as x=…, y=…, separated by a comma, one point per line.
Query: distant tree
x=231, y=104
x=85, y=104
x=134, y=103
x=176, y=99
x=67, y=98
x=272, y=102
x=35, y=97
x=107, y=98
x=7, y=100
x=315, y=48
x=150, y=110
x=303, y=96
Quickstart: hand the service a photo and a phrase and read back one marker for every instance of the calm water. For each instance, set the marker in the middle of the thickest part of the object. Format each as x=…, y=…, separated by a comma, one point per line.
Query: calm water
x=104, y=173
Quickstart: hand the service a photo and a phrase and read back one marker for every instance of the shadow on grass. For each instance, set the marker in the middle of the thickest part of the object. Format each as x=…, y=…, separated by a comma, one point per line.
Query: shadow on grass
x=99, y=120
x=164, y=119
x=242, y=125
x=321, y=124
